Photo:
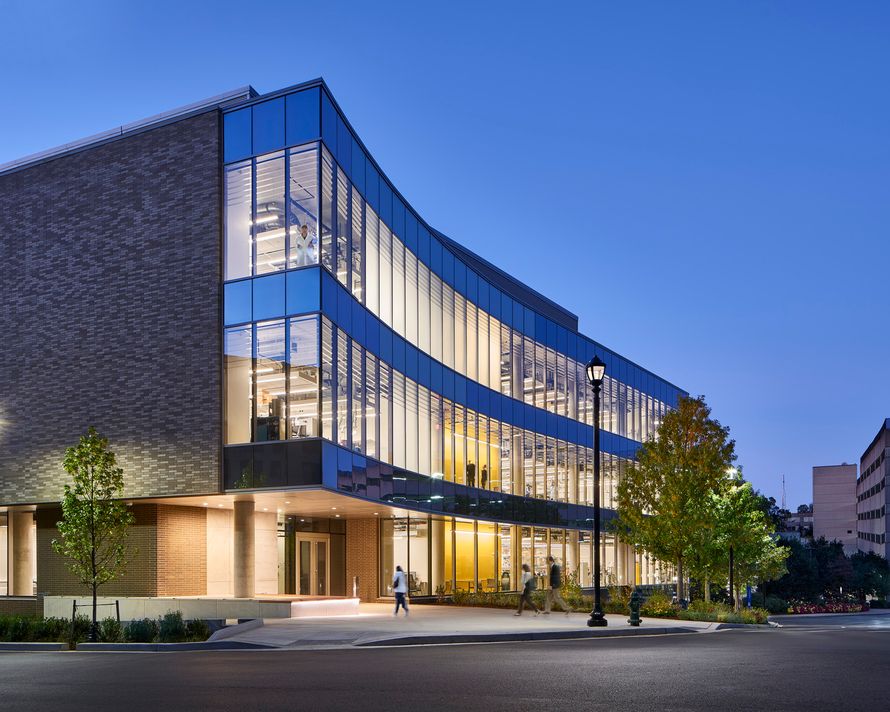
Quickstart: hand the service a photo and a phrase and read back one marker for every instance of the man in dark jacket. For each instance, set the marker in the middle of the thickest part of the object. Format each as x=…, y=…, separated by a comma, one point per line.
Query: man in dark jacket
x=553, y=593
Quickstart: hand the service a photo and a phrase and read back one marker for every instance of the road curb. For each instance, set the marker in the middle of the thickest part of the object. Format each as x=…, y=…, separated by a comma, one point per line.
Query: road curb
x=513, y=637
x=169, y=647
x=32, y=647
x=231, y=630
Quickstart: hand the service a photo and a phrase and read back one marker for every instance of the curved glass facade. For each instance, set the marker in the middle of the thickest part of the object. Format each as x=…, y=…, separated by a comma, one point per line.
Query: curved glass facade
x=430, y=379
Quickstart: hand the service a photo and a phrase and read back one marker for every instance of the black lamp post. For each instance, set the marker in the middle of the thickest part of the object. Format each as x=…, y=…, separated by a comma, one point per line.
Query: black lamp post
x=596, y=369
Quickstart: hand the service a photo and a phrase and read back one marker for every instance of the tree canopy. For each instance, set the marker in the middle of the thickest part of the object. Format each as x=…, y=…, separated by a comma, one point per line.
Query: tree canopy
x=664, y=498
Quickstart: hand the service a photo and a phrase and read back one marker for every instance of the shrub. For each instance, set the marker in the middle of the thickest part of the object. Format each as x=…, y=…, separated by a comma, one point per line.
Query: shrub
x=197, y=630
x=51, y=630
x=776, y=605
x=141, y=631
x=658, y=605
x=571, y=587
x=171, y=628
x=78, y=632
x=111, y=631
x=617, y=599
x=18, y=628
x=713, y=608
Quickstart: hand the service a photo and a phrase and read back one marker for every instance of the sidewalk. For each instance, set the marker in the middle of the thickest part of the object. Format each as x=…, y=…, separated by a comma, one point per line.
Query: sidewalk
x=427, y=624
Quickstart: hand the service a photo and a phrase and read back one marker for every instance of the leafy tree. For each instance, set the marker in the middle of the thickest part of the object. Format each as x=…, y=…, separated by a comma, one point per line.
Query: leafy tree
x=738, y=525
x=772, y=510
x=814, y=571
x=871, y=575
x=664, y=498
x=95, y=522
x=744, y=530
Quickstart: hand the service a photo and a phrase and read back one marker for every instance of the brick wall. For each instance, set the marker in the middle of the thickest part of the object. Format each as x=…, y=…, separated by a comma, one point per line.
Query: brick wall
x=362, y=553
x=27, y=606
x=110, y=286
x=182, y=551
x=169, y=546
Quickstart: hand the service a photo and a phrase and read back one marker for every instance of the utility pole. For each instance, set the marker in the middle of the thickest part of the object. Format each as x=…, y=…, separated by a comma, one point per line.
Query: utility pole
x=783, y=492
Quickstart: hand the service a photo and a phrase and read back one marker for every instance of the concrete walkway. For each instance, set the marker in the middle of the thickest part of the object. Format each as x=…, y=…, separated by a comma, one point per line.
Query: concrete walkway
x=375, y=626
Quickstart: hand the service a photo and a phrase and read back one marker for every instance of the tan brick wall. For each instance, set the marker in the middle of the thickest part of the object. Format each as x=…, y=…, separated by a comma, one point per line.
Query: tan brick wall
x=139, y=579
x=362, y=555
x=19, y=606
x=182, y=551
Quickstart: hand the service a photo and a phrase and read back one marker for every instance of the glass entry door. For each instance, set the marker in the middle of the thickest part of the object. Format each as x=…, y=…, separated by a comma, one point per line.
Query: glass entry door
x=312, y=564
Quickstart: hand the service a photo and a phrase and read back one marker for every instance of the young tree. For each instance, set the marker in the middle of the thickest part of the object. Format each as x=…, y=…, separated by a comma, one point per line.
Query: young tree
x=664, y=498
x=95, y=522
x=744, y=529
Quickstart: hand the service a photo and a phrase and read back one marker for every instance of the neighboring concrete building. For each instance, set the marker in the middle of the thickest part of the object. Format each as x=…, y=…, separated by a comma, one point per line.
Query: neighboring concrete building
x=798, y=525
x=834, y=504
x=871, y=494
x=305, y=383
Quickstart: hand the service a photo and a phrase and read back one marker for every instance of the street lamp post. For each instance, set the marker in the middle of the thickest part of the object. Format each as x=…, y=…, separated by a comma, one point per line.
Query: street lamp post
x=596, y=369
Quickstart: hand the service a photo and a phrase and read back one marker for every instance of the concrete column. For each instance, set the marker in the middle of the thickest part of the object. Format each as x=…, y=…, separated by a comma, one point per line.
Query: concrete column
x=437, y=558
x=516, y=466
x=572, y=551
x=631, y=565
x=621, y=568
x=21, y=552
x=244, y=550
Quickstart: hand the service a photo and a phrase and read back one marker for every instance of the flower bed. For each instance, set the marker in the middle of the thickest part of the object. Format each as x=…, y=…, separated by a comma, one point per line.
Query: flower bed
x=802, y=607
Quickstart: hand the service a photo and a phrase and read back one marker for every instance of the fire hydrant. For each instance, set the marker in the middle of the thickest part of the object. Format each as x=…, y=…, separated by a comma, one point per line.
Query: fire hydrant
x=636, y=600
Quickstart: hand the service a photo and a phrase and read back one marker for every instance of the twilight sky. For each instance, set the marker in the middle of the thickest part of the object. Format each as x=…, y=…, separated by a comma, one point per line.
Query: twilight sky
x=704, y=183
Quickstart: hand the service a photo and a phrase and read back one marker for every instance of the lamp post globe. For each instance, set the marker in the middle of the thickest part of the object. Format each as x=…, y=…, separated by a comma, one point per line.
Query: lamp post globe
x=596, y=370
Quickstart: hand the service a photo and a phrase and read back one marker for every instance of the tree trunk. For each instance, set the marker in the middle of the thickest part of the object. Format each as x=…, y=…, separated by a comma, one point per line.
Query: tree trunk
x=681, y=589
x=94, y=628
x=708, y=590
x=94, y=631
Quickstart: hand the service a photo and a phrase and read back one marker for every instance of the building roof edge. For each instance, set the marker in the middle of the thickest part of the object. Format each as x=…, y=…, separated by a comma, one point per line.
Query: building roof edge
x=166, y=117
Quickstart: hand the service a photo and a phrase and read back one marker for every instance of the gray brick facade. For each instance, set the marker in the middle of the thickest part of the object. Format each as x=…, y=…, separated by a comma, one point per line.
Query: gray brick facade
x=110, y=293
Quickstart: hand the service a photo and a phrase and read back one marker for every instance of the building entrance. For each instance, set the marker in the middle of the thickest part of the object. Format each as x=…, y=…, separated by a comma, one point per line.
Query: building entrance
x=313, y=564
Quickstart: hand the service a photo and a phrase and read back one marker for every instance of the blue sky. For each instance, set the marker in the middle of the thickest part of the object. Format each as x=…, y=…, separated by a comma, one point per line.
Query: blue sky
x=704, y=183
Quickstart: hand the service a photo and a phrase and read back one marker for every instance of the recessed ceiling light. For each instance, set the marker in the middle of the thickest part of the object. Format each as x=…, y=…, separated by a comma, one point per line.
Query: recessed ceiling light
x=332, y=508
x=337, y=515
x=302, y=520
x=265, y=509
x=219, y=505
x=287, y=501
x=205, y=504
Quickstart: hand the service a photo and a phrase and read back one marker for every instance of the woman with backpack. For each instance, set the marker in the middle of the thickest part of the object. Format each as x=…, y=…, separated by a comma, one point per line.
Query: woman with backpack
x=528, y=585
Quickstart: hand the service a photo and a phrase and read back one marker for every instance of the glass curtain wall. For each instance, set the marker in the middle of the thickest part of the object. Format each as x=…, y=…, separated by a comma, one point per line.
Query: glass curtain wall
x=275, y=381
x=275, y=214
x=272, y=381
x=443, y=555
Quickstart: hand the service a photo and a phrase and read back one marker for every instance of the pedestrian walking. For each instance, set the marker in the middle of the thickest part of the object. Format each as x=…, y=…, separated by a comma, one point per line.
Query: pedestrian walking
x=400, y=588
x=553, y=593
x=528, y=585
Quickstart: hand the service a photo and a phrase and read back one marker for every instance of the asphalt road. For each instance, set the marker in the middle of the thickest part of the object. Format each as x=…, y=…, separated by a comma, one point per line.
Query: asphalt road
x=795, y=668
